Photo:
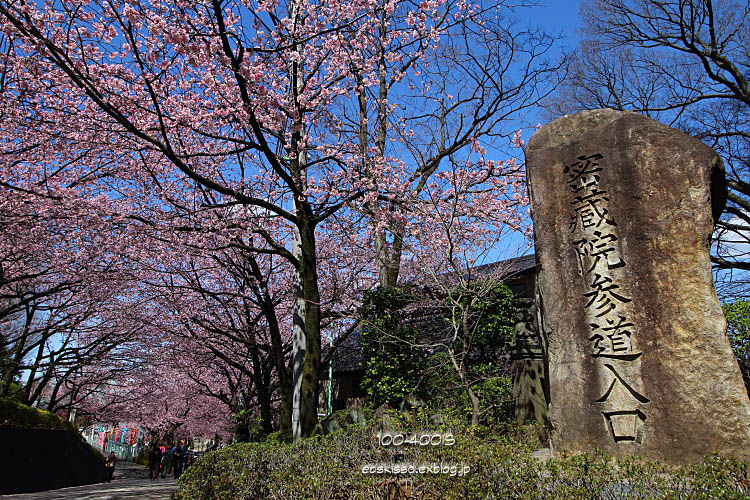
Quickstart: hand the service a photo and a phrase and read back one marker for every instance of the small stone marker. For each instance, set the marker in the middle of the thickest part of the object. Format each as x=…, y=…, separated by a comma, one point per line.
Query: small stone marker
x=639, y=360
x=527, y=365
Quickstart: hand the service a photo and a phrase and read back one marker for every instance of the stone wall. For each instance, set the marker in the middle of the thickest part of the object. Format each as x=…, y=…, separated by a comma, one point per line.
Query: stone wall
x=39, y=460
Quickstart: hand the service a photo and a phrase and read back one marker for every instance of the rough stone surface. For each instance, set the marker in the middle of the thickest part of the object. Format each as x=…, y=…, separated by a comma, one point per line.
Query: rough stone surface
x=530, y=388
x=638, y=356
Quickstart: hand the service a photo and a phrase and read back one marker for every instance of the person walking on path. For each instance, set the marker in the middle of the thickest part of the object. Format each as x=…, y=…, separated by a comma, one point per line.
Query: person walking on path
x=109, y=465
x=170, y=460
x=164, y=461
x=178, y=455
x=154, y=461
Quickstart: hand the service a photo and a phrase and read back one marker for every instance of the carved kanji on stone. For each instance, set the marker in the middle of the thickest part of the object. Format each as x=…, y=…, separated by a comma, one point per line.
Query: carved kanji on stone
x=639, y=362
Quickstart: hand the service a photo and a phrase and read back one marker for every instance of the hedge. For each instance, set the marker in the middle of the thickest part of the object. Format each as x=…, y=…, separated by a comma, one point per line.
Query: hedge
x=501, y=467
x=17, y=415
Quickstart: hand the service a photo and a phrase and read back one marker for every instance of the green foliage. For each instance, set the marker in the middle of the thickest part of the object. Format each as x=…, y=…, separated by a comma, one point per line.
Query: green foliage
x=501, y=467
x=247, y=426
x=16, y=393
x=307, y=469
x=5, y=358
x=441, y=390
x=491, y=315
x=17, y=415
x=440, y=387
x=15, y=390
x=279, y=437
x=392, y=356
x=738, y=327
x=491, y=318
x=738, y=330
x=7, y=365
x=496, y=398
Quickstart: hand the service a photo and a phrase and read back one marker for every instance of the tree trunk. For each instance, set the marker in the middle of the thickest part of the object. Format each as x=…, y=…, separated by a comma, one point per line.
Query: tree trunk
x=463, y=369
x=285, y=382
x=389, y=257
x=389, y=263
x=242, y=431
x=475, y=409
x=265, y=300
x=306, y=322
x=261, y=391
x=306, y=335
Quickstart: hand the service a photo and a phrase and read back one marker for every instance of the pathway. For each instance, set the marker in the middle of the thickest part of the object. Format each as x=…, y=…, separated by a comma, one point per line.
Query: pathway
x=130, y=481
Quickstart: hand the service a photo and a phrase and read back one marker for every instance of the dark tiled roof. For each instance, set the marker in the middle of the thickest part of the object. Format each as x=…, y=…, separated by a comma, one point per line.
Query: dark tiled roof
x=427, y=314
x=501, y=270
x=348, y=356
x=507, y=267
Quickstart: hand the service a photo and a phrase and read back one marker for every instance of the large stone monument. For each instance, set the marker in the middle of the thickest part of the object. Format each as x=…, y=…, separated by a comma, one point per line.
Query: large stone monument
x=623, y=208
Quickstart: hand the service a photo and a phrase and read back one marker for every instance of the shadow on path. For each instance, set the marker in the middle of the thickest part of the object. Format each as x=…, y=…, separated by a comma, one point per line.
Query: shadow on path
x=130, y=481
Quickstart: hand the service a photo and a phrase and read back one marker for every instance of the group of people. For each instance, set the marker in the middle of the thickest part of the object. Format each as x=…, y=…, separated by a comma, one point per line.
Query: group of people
x=164, y=462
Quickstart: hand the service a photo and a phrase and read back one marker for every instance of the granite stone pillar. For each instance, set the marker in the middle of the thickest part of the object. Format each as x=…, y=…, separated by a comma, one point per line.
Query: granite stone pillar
x=640, y=364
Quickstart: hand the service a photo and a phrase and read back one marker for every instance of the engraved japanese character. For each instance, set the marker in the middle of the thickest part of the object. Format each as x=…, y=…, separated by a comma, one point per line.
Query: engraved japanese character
x=618, y=335
x=640, y=397
x=625, y=425
x=592, y=249
x=591, y=207
x=602, y=247
x=583, y=173
x=603, y=294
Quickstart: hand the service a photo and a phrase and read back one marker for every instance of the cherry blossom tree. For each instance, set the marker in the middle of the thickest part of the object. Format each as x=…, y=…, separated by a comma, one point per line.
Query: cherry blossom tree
x=59, y=283
x=262, y=141
x=470, y=213
x=436, y=101
x=155, y=76
x=160, y=397
x=238, y=326
x=229, y=102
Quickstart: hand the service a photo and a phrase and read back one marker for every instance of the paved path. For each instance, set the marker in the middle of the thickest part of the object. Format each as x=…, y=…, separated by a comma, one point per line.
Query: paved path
x=130, y=481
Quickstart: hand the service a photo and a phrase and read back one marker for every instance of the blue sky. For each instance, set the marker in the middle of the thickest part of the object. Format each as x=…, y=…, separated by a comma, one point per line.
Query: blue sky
x=560, y=16
x=557, y=17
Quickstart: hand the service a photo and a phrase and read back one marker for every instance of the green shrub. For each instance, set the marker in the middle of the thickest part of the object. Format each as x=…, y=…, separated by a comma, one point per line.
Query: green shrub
x=500, y=461
x=482, y=318
x=441, y=390
x=16, y=415
x=491, y=314
x=17, y=393
x=392, y=356
x=279, y=437
x=307, y=469
x=496, y=397
x=738, y=330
